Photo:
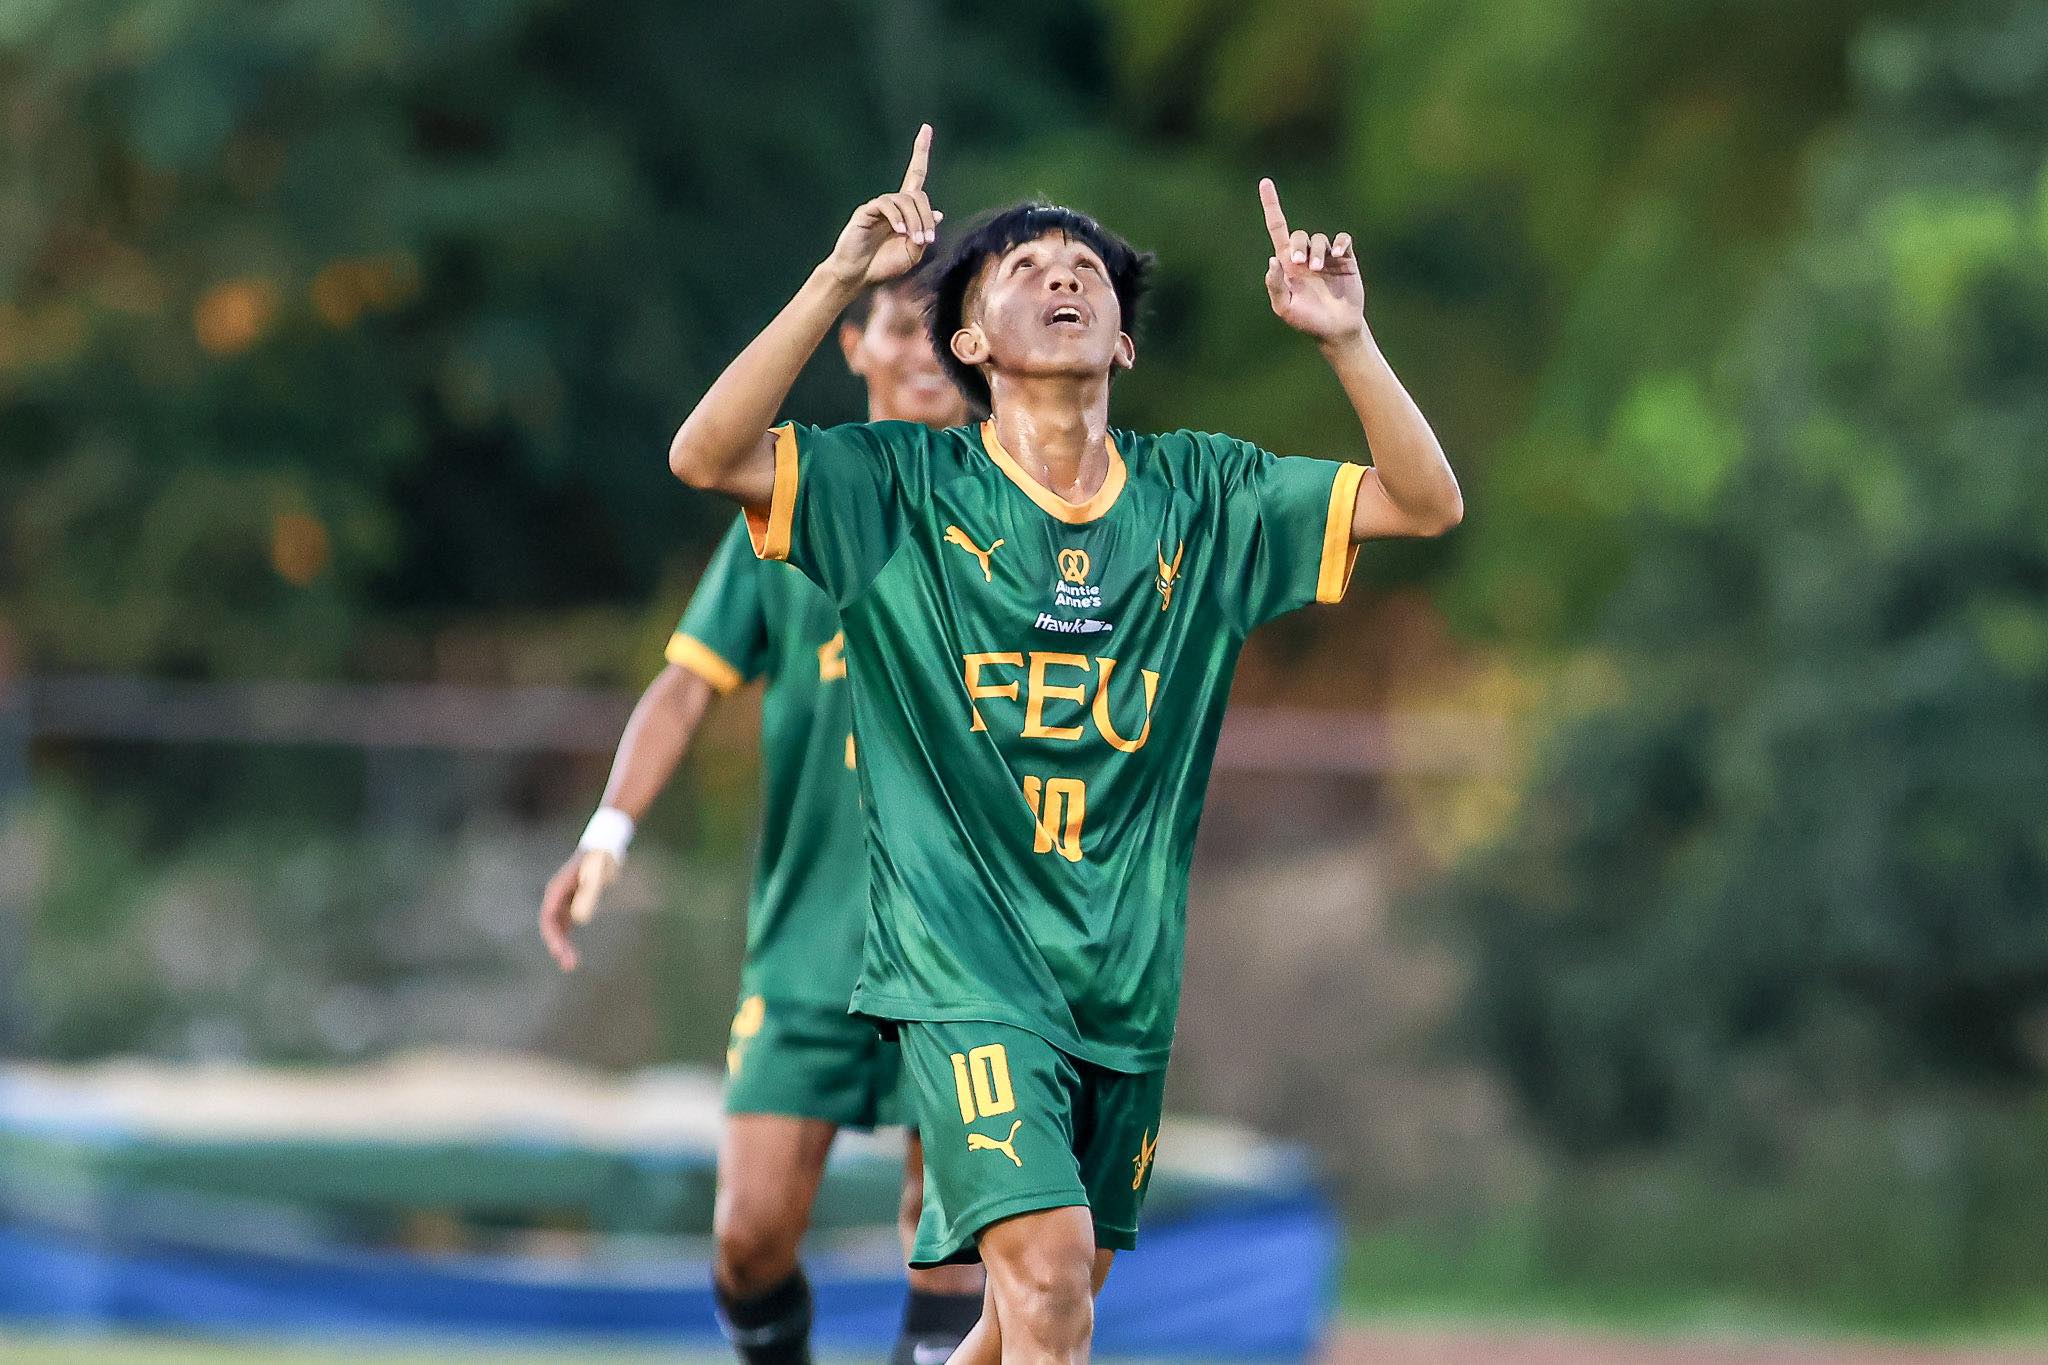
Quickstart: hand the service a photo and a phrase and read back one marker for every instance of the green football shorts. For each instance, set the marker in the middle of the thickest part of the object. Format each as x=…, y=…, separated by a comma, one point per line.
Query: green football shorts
x=810, y=1061
x=1013, y=1125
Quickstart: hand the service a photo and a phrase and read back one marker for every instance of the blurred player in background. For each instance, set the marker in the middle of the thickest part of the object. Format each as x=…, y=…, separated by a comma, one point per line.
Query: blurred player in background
x=1042, y=619
x=798, y=1066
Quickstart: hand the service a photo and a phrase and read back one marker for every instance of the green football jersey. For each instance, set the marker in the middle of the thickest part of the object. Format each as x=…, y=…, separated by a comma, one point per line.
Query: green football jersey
x=1037, y=689
x=808, y=909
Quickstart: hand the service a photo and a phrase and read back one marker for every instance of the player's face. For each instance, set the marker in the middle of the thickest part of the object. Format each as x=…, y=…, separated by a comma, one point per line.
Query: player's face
x=1047, y=307
x=893, y=353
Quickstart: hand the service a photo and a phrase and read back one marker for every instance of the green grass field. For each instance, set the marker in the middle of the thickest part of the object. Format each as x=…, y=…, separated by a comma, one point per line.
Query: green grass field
x=1496, y=1280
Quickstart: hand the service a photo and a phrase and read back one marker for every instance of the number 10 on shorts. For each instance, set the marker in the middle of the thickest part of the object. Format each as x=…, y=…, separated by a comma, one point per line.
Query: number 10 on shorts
x=982, y=1078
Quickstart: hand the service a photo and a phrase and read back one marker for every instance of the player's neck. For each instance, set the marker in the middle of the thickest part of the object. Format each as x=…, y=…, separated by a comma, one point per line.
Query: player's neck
x=882, y=410
x=1055, y=428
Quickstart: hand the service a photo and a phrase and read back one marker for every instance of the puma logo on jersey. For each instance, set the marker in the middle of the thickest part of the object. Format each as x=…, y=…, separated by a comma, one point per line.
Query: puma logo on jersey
x=1147, y=1147
x=982, y=1142
x=1169, y=574
x=956, y=536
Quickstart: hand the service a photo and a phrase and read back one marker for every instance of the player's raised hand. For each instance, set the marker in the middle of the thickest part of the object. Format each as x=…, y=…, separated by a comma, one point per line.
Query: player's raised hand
x=571, y=899
x=889, y=234
x=1312, y=279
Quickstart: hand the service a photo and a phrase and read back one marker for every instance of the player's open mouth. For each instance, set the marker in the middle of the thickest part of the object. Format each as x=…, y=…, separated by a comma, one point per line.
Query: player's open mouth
x=1065, y=314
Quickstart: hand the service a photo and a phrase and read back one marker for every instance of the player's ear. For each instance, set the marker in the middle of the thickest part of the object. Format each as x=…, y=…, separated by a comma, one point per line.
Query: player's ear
x=1126, y=351
x=849, y=346
x=969, y=346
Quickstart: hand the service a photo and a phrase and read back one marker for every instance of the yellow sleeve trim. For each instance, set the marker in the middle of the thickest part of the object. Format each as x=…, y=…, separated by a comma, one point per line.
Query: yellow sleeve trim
x=687, y=651
x=1340, y=552
x=770, y=533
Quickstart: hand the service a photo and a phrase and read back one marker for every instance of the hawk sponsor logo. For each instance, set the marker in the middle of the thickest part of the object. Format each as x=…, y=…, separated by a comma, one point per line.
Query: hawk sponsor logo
x=1059, y=625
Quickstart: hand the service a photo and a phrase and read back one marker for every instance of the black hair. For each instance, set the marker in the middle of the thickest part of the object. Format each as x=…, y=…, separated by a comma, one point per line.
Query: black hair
x=911, y=287
x=994, y=235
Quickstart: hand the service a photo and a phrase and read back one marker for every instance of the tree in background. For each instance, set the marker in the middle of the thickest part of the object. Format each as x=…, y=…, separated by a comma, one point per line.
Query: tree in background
x=1551, y=200
x=1800, y=858
x=327, y=326
x=323, y=317
x=326, y=322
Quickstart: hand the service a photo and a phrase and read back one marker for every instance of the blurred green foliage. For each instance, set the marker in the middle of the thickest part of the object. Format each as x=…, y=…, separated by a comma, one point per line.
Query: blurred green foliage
x=326, y=324
x=1810, y=842
x=329, y=318
x=204, y=931
x=1778, y=916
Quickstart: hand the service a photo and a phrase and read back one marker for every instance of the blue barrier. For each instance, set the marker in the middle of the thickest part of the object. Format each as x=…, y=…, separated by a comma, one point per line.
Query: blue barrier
x=1245, y=1280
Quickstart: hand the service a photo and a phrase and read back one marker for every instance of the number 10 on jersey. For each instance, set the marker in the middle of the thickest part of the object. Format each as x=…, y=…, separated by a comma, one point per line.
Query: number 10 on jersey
x=1059, y=805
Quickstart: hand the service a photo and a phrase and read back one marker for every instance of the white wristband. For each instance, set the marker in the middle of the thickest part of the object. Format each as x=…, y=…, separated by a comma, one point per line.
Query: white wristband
x=609, y=831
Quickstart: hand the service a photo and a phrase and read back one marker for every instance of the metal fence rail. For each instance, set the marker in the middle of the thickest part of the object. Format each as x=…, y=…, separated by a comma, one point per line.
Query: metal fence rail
x=459, y=717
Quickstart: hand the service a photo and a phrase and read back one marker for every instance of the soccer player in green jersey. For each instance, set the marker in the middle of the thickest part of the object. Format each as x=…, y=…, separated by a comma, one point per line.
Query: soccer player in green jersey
x=1042, y=617
x=798, y=1066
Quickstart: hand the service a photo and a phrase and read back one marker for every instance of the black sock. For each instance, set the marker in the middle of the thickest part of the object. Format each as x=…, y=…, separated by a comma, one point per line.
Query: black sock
x=933, y=1323
x=771, y=1328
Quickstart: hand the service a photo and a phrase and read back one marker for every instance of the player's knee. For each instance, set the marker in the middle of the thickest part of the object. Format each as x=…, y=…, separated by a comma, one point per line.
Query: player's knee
x=1057, y=1313
x=754, y=1253
x=1048, y=1296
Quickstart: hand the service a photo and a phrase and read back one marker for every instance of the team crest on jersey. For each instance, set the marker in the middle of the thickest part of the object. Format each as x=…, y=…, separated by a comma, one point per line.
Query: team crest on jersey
x=1169, y=575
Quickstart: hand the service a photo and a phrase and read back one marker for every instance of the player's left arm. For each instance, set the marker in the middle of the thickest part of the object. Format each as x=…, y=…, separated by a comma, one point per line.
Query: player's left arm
x=1315, y=287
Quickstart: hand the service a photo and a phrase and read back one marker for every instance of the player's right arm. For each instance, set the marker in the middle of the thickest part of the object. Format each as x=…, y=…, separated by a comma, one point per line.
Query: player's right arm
x=724, y=446
x=721, y=642
x=658, y=735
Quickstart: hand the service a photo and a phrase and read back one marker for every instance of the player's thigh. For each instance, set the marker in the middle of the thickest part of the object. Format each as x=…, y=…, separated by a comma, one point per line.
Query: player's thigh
x=769, y=1170
x=994, y=1106
x=804, y=1060
x=1119, y=1138
x=938, y=1279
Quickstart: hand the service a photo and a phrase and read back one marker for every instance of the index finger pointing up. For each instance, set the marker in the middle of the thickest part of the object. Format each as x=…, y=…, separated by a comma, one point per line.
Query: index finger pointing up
x=920, y=157
x=1276, y=219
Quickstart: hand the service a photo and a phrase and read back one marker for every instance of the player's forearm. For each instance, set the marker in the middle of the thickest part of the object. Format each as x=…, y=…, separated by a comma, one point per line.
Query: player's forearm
x=720, y=446
x=1406, y=458
x=657, y=736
